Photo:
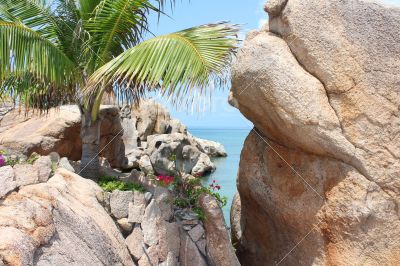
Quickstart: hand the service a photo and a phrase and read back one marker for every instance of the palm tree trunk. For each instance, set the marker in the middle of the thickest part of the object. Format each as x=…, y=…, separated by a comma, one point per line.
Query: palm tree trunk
x=90, y=135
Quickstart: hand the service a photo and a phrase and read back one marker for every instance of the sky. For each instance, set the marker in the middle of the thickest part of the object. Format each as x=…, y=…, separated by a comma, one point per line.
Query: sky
x=188, y=13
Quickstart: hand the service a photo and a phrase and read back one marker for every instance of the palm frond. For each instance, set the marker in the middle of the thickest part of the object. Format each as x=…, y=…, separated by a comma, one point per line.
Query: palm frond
x=34, y=14
x=28, y=51
x=116, y=26
x=180, y=64
x=86, y=7
x=25, y=89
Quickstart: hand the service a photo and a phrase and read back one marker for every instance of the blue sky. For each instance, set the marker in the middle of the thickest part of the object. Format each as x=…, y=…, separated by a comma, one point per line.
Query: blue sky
x=186, y=14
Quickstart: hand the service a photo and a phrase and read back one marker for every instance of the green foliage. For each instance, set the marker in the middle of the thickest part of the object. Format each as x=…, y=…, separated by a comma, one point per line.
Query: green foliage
x=32, y=158
x=110, y=184
x=200, y=213
x=12, y=162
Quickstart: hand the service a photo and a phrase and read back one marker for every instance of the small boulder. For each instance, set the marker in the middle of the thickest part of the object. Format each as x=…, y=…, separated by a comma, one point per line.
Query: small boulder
x=64, y=163
x=196, y=233
x=212, y=148
x=151, y=223
x=135, y=243
x=169, y=240
x=137, y=208
x=7, y=180
x=164, y=199
x=26, y=174
x=150, y=258
x=171, y=260
x=189, y=253
x=119, y=203
x=125, y=225
x=43, y=165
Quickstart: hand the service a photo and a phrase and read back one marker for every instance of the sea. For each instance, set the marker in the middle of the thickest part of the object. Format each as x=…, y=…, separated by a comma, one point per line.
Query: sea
x=227, y=168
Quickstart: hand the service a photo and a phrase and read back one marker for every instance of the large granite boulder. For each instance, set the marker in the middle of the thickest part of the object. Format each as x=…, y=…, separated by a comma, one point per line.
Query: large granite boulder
x=59, y=223
x=171, y=152
x=58, y=131
x=319, y=175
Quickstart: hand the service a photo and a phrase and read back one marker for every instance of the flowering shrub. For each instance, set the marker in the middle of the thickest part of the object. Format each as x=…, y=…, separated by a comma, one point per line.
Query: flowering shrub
x=214, y=186
x=2, y=160
x=165, y=180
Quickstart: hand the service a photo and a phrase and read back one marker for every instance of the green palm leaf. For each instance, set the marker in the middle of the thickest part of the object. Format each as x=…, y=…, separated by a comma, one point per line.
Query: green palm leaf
x=34, y=14
x=179, y=64
x=117, y=25
x=28, y=51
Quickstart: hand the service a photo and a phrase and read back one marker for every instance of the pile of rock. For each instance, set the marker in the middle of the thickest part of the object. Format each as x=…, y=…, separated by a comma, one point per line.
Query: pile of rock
x=140, y=138
x=70, y=220
x=154, y=231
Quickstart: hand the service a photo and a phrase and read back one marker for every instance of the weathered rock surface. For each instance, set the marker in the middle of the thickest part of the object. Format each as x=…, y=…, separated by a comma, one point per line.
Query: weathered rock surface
x=237, y=224
x=135, y=243
x=219, y=247
x=58, y=131
x=119, y=203
x=212, y=148
x=188, y=154
x=59, y=223
x=322, y=165
x=7, y=180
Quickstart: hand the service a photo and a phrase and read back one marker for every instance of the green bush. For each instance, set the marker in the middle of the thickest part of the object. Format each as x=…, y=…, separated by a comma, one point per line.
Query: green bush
x=109, y=183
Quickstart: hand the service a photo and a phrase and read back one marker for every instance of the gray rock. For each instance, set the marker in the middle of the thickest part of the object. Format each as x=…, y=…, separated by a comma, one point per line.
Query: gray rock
x=54, y=157
x=196, y=233
x=44, y=167
x=202, y=244
x=162, y=149
x=26, y=174
x=64, y=163
x=145, y=165
x=136, y=212
x=119, y=203
x=189, y=253
x=135, y=243
x=211, y=148
x=171, y=260
x=7, y=180
x=169, y=240
x=164, y=199
x=151, y=223
x=150, y=258
x=148, y=196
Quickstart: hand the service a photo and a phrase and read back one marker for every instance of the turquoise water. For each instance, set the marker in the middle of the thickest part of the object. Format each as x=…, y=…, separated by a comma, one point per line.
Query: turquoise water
x=227, y=168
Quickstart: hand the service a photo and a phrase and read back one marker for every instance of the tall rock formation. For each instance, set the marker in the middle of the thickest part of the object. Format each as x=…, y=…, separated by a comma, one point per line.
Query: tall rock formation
x=319, y=177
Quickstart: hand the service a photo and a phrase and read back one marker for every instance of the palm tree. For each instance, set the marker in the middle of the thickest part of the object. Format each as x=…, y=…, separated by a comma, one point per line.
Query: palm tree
x=63, y=51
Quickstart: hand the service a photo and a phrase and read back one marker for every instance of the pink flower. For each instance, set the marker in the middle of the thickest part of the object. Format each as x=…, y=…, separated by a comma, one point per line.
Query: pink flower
x=2, y=160
x=218, y=187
